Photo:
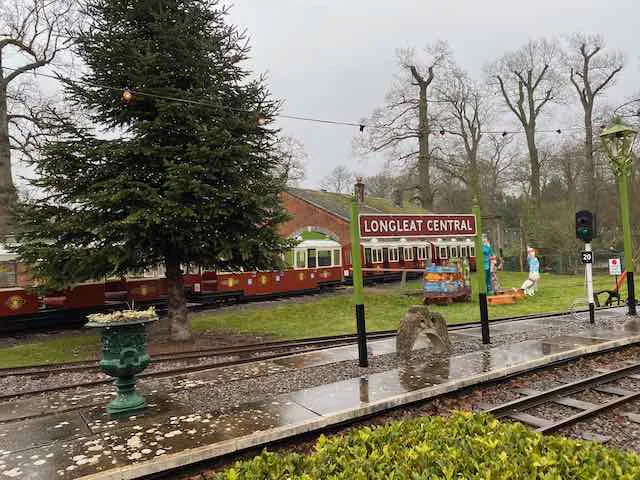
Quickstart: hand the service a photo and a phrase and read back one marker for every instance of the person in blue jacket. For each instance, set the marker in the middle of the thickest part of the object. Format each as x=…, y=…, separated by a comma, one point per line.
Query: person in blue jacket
x=487, y=253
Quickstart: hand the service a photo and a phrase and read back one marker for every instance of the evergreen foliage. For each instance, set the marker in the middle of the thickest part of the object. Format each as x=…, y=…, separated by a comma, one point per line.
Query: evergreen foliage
x=154, y=181
x=463, y=446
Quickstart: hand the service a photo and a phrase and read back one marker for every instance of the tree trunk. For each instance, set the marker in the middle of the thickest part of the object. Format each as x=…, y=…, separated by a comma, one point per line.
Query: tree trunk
x=590, y=162
x=179, y=326
x=7, y=188
x=424, y=174
x=535, y=167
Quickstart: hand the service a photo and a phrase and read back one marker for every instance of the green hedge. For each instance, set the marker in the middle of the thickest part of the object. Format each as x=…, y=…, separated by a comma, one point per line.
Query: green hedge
x=464, y=446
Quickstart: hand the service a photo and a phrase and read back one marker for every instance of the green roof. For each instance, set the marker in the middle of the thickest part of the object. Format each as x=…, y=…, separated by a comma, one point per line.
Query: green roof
x=340, y=203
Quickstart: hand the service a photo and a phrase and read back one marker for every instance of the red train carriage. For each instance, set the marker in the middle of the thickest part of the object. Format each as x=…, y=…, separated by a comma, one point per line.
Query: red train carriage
x=384, y=260
x=312, y=265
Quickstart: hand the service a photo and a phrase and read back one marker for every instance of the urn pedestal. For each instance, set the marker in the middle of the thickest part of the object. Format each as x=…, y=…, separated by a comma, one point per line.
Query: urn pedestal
x=123, y=357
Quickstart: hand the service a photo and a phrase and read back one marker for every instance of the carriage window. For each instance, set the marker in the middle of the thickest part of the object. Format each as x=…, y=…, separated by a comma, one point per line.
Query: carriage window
x=393, y=254
x=408, y=253
x=301, y=259
x=7, y=274
x=442, y=252
x=367, y=255
x=336, y=258
x=376, y=255
x=311, y=258
x=324, y=258
x=289, y=258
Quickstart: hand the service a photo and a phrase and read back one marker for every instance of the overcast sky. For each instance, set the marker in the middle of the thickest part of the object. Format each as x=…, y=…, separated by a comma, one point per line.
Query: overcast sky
x=335, y=59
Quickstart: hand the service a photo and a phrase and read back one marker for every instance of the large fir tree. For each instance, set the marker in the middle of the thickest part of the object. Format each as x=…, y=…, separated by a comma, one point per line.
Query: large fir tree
x=157, y=181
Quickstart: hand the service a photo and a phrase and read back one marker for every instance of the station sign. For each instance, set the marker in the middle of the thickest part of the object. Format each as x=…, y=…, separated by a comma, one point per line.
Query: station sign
x=380, y=225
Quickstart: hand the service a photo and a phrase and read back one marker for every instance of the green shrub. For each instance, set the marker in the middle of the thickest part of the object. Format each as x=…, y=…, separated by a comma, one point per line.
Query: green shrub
x=464, y=446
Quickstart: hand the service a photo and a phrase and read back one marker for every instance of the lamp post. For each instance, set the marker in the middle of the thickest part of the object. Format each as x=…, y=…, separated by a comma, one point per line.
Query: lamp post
x=617, y=141
x=356, y=267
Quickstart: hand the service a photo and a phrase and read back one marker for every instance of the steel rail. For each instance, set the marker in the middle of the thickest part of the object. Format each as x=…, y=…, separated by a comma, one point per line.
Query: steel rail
x=527, y=402
x=47, y=368
x=329, y=341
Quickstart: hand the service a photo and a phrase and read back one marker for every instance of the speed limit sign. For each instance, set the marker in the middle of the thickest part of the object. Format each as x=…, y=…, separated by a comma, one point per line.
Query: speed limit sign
x=587, y=257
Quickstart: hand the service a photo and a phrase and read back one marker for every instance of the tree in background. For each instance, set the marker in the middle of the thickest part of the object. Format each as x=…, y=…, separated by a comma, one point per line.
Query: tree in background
x=465, y=111
x=592, y=70
x=402, y=127
x=340, y=180
x=292, y=160
x=32, y=32
x=528, y=80
x=175, y=183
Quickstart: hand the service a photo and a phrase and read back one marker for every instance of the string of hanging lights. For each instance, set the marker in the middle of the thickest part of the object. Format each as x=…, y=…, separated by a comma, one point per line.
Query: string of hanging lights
x=129, y=95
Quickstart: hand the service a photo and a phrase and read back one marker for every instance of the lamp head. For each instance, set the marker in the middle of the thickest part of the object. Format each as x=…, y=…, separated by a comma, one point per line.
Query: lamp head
x=617, y=130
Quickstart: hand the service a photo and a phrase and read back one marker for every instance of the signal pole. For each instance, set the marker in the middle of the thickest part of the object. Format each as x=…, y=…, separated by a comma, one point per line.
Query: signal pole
x=585, y=231
x=589, y=271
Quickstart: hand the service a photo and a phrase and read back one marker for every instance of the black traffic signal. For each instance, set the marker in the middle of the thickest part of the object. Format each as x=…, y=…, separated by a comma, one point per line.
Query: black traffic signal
x=585, y=226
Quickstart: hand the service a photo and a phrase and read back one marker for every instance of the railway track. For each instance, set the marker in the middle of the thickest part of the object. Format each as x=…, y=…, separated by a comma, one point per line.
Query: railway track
x=246, y=351
x=252, y=349
x=562, y=396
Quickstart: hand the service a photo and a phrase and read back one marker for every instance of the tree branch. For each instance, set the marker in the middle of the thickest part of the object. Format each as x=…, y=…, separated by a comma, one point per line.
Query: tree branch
x=607, y=80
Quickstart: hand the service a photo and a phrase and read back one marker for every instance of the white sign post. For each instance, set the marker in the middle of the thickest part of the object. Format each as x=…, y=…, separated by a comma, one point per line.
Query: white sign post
x=587, y=259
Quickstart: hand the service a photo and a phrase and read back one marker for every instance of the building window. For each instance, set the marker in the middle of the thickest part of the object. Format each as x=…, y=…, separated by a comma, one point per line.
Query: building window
x=442, y=252
x=376, y=255
x=367, y=255
x=393, y=254
x=472, y=251
x=336, y=258
x=408, y=253
x=324, y=258
x=453, y=251
x=422, y=253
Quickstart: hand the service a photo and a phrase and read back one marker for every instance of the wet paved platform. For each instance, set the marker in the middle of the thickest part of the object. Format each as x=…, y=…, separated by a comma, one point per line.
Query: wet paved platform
x=69, y=435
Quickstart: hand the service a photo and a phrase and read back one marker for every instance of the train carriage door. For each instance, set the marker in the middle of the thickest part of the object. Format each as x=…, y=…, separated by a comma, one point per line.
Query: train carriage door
x=311, y=258
x=368, y=258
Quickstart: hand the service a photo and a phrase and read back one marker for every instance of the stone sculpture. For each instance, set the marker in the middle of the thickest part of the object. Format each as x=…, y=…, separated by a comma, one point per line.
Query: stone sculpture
x=419, y=320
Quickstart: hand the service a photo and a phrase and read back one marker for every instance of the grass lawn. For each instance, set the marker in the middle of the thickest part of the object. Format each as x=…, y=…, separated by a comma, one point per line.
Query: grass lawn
x=329, y=315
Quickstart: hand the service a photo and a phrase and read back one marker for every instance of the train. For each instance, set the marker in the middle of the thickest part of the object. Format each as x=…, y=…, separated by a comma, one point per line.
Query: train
x=312, y=265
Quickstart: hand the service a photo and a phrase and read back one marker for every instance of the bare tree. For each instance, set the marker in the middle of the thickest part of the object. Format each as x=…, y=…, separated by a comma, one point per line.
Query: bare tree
x=380, y=185
x=497, y=159
x=32, y=34
x=292, y=160
x=592, y=71
x=528, y=81
x=340, y=180
x=465, y=111
x=402, y=127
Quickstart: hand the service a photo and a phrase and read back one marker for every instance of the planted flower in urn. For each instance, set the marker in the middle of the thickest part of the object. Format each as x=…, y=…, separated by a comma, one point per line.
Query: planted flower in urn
x=123, y=353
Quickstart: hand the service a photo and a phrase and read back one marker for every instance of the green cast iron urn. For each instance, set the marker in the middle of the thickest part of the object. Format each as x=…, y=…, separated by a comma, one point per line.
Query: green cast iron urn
x=124, y=355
